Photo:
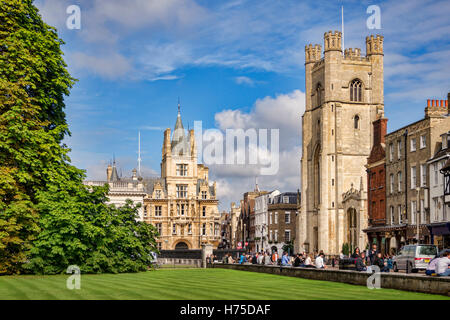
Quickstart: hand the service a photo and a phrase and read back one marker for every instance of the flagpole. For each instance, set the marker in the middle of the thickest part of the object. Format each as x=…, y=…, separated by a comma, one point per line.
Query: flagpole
x=342, y=15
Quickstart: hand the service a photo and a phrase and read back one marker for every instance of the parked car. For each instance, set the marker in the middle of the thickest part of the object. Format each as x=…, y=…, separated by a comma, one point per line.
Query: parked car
x=413, y=258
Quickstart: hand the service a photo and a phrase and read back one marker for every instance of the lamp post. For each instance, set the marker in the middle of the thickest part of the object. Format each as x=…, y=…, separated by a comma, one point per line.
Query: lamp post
x=417, y=215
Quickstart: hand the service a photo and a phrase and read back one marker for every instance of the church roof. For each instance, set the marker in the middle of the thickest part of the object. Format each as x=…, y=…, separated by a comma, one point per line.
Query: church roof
x=180, y=143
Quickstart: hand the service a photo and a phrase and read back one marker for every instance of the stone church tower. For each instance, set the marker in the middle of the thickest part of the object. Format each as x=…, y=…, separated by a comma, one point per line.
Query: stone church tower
x=344, y=95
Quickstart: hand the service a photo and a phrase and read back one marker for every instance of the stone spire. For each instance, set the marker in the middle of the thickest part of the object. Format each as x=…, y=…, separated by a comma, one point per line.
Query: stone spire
x=114, y=175
x=180, y=144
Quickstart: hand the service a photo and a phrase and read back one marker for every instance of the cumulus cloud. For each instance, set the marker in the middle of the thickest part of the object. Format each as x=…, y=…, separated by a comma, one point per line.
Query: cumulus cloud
x=281, y=112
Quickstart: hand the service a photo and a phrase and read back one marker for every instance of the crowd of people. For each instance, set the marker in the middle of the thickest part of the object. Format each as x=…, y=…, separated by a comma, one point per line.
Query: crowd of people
x=363, y=260
x=312, y=260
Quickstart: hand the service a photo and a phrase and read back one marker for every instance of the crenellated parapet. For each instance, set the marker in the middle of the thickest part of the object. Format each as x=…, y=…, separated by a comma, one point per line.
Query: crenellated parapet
x=374, y=45
x=313, y=53
x=351, y=53
x=332, y=41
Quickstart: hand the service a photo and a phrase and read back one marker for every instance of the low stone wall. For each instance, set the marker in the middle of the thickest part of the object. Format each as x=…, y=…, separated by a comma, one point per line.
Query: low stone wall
x=408, y=282
x=177, y=261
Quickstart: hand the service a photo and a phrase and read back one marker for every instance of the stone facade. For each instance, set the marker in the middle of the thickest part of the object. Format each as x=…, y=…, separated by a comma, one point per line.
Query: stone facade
x=344, y=95
x=439, y=225
x=181, y=204
x=408, y=150
x=246, y=229
x=229, y=222
x=261, y=220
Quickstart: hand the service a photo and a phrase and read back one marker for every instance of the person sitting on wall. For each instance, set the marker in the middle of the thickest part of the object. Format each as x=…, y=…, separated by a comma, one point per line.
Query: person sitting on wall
x=356, y=254
x=361, y=262
x=431, y=268
x=380, y=263
x=298, y=262
x=285, y=260
x=442, y=265
x=319, y=261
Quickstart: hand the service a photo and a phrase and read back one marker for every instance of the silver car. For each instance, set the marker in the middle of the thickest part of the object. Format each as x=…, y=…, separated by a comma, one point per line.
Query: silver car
x=413, y=258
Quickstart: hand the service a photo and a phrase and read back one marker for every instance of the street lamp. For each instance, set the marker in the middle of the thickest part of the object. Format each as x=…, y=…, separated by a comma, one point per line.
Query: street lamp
x=417, y=215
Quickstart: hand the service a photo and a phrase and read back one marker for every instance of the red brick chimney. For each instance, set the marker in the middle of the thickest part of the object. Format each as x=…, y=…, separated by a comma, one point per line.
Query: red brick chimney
x=379, y=131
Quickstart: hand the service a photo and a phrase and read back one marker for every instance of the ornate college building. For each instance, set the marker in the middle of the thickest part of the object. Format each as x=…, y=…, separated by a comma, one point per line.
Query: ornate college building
x=181, y=204
x=344, y=95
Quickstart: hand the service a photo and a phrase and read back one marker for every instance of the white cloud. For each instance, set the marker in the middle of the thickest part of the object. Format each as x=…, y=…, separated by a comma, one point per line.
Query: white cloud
x=244, y=80
x=108, y=66
x=282, y=112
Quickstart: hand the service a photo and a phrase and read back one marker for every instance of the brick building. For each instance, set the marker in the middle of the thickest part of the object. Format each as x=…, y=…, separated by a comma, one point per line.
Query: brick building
x=376, y=182
x=282, y=220
x=407, y=183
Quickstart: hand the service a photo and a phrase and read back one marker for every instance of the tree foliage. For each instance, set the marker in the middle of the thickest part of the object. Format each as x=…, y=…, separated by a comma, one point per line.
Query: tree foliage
x=43, y=202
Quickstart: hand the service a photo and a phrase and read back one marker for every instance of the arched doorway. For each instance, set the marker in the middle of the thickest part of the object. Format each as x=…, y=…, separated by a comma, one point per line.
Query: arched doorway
x=351, y=231
x=181, y=246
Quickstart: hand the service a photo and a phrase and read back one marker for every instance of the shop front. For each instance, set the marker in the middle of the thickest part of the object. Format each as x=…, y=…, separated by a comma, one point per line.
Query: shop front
x=440, y=234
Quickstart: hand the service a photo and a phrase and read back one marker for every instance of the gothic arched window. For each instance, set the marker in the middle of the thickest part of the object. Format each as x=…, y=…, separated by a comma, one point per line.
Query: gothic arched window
x=356, y=122
x=356, y=90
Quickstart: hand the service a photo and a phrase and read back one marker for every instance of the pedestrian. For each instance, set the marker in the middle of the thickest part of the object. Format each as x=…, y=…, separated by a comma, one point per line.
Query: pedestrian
x=274, y=257
x=261, y=258
x=373, y=253
x=243, y=259
x=319, y=261
x=230, y=259
x=442, y=264
x=389, y=263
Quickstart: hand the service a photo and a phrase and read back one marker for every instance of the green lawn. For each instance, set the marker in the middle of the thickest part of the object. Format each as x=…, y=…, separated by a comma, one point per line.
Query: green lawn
x=192, y=284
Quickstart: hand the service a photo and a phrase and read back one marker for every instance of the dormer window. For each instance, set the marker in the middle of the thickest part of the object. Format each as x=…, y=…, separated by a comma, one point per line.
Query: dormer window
x=204, y=195
x=356, y=90
x=158, y=194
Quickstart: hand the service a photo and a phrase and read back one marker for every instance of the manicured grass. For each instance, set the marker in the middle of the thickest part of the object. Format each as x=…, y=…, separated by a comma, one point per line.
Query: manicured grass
x=179, y=284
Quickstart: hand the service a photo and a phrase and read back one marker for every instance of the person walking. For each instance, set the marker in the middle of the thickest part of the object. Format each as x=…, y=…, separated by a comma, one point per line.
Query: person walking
x=373, y=253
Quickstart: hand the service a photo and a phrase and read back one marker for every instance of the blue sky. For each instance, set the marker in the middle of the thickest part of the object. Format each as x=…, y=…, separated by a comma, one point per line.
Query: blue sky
x=236, y=61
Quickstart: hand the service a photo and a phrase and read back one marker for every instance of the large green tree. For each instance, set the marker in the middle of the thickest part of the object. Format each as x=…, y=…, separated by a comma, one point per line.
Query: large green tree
x=43, y=202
